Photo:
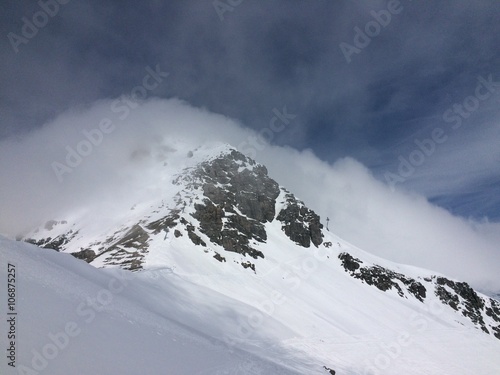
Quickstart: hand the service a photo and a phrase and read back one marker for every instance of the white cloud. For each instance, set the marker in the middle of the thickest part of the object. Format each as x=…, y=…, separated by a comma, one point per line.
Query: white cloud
x=396, y=225
x=400, y=226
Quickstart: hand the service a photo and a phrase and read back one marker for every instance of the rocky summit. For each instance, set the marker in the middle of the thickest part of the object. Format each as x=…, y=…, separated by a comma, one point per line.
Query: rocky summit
x=222, y=214
x=222, y=202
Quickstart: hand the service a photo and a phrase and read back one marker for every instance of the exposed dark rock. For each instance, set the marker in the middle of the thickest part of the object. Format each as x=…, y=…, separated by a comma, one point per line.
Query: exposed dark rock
x=238, y=189
x=330, y=371
x=417, y=289
x=56, y=243
x=165, y=223
x=469, y=303
x=128, y=252
x=250, y=189
x=446, y=297
x=234, y=241
x=496, y=331
x=86, y=255
x=219, y=257
x=39, y=243
x=349, y=262
x=210, y=218
x=194, y=237
x=135, y=238
x=494, y=310
x=382, y=278
x=250, y=228
x=248, y=265
x=299, y=223
x=238, y=199
x=378, y=277
x=135, y=264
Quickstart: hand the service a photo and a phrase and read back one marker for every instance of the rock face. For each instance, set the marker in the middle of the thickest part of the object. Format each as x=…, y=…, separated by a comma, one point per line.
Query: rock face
x=300, y=224
x=225, y=201
x=383, y=278
x=86, y=255
x=484, y=313
x=238, y=197
x=128, y=252
x=57, y=243
x=461, y=297
x=165, y=223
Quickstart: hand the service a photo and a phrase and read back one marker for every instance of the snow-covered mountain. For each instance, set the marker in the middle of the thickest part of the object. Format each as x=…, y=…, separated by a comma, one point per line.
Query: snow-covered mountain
x=222, y=248
x=75, y=319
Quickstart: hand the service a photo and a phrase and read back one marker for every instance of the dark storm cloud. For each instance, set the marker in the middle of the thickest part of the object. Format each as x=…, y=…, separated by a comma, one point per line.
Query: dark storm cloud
x=267, y=55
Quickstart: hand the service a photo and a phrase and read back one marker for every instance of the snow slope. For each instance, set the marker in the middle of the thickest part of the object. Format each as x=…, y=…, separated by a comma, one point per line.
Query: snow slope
x=122, y=323
x=297, y=310
x=162, y=322
x=336, y=319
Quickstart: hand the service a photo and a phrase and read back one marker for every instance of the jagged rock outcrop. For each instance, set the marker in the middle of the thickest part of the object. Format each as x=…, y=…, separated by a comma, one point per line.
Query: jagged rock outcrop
x=166, y=223
x=248, y=264
x=86, y=255
x=484, y=313
x=461, y=297
x=300, y=224
x=57, y=243
x=383, y=278
x=239, y=197
x=226, y=200
x=219, y=257
x=129, y=251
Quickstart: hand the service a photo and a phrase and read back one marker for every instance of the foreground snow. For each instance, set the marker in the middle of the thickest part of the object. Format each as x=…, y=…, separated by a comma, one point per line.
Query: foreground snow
x=118, y=322
x=173, y=321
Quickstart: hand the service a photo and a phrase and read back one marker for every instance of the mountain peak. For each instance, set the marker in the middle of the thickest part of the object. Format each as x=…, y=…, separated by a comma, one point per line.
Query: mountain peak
x=219, y=219
x=221, y=199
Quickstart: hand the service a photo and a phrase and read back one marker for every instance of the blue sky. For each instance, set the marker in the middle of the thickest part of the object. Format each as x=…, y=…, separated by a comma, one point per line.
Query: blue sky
x=372, y=105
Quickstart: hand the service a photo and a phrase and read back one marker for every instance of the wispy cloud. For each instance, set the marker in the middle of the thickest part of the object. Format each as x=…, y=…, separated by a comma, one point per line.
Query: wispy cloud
x=396, y=225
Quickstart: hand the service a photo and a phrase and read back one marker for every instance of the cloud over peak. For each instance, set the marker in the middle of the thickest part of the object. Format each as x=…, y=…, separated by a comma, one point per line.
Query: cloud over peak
x=397, y=225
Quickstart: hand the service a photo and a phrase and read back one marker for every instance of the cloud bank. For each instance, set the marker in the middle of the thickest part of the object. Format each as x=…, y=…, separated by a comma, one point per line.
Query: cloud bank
x=426, y=57
x=395, y=225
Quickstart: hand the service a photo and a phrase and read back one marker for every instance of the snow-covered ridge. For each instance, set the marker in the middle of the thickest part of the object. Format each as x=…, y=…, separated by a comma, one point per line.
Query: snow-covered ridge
x=219, y=221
